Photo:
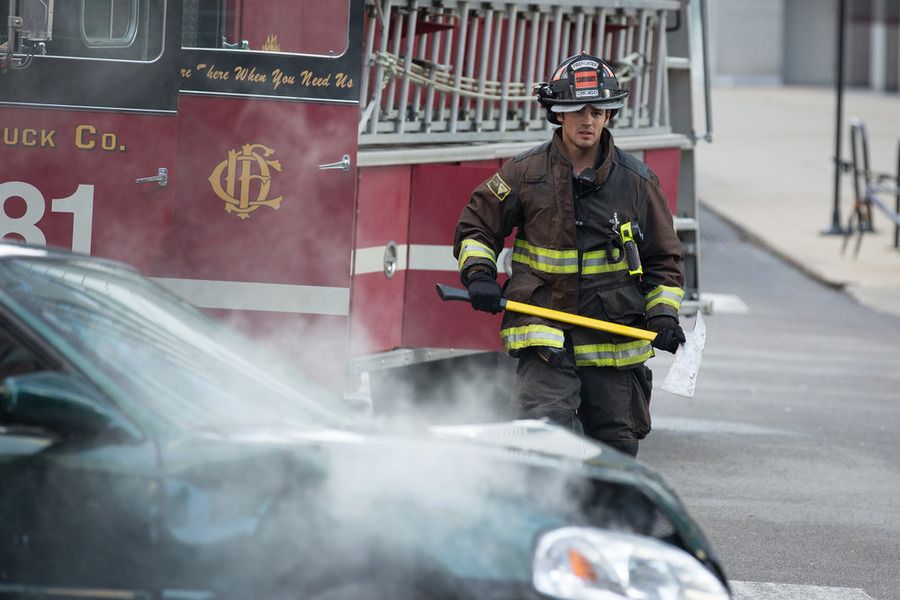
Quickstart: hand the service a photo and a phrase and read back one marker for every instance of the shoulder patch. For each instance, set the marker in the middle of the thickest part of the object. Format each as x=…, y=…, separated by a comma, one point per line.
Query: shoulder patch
x=532, y=151
x=498, y=187
x=632, y=164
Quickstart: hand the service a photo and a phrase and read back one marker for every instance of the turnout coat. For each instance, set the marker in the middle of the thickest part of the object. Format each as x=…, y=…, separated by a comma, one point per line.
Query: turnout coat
x=568, y=253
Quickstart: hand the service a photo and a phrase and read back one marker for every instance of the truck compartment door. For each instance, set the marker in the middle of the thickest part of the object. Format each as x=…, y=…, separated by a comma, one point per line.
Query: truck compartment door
x=263, y=227
x=84, y=122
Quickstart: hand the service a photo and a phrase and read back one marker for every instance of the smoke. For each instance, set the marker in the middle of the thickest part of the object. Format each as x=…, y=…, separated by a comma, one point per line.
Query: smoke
x=254, y=495
x=317, y=505
x=467, y=389
x=402, y=509
x=473, y=388
x=458, y=390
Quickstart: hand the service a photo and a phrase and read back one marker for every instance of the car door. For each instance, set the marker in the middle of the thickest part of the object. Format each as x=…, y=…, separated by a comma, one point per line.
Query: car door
x=87, y=116
x=263, y=224
x=78, y=514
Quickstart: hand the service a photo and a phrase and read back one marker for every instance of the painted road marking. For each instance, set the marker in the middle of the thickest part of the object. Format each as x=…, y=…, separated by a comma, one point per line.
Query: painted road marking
x=684, y=424
x=725, y=303
x=754, y=590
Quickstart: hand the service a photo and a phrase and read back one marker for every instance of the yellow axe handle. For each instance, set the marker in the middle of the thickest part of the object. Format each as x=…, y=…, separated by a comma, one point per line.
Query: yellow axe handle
x=447, y=292
x=564, y=317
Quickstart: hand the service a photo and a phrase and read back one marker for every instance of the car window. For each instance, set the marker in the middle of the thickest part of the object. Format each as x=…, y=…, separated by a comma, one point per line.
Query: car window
x=110, y=29
x=4, y=35
x=318, y=27
x=188, y=369
x=16, y=358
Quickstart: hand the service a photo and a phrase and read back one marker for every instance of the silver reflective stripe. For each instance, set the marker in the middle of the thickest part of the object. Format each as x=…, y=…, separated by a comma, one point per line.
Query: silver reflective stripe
x=613, y=354
x=663, y=299
x=515, y=338
x=371, y=259
x=415, y=257
x=271, y=297
x=544, y=259
x=598, y=261
x=472, y=252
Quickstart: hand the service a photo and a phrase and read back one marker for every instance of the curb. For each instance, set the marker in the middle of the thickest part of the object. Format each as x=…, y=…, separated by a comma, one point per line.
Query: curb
x=761, y=242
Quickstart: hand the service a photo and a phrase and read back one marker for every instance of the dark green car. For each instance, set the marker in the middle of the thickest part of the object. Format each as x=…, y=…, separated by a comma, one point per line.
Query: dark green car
x=142, y=455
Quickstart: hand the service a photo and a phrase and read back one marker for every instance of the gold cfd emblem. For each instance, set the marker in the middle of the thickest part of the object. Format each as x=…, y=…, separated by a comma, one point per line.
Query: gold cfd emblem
x=243, y=180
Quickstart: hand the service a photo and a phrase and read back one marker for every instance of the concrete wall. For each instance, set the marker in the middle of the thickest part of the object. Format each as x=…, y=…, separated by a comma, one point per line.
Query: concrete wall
x=810, y=42
x=746, y=40
x=892, y=80
x=795, y=42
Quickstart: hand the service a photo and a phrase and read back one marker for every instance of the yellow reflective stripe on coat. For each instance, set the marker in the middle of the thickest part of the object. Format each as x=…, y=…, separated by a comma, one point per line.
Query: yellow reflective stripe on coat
x=613, y=355
x=662, y=296
x=470, y=250
x=597, y=261
x=544, y=259
x=516, y=338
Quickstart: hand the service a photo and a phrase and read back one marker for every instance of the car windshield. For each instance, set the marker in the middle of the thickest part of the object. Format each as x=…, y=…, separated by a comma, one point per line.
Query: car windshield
x=188, y=369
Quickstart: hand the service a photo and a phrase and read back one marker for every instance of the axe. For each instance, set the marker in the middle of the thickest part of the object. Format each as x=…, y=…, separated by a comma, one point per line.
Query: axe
x=682, y=374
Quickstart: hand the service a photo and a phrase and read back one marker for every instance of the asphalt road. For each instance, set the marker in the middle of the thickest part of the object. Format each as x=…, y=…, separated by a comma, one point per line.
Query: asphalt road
x=789, y=453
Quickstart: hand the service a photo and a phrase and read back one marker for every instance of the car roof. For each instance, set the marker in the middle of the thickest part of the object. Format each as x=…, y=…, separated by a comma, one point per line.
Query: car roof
x=12, y=249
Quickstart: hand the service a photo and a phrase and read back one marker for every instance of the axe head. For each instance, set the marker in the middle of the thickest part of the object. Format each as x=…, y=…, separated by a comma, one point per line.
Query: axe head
x=682, y=375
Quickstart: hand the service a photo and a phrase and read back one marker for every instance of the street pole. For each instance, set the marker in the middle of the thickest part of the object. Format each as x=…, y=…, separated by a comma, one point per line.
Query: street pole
x=836, y=228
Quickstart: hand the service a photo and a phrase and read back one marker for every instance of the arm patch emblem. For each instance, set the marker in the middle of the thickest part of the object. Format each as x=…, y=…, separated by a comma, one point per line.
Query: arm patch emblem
x=498, y=187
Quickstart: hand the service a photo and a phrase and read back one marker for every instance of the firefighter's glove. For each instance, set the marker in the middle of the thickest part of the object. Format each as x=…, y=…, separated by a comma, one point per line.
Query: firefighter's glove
x=669, y=333
x=484, y=292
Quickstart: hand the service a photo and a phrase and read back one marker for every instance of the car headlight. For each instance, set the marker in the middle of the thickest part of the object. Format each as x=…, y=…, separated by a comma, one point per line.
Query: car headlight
x=581, y=563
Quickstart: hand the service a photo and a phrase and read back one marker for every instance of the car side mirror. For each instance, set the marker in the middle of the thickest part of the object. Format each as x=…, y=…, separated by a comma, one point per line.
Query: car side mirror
x=62, y=403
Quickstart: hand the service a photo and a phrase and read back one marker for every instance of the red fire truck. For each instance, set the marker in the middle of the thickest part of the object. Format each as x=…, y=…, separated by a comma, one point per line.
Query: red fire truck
x=298, y=167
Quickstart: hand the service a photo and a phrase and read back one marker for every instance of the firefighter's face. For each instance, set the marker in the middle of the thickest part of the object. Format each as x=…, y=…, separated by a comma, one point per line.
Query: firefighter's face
x=582, y=129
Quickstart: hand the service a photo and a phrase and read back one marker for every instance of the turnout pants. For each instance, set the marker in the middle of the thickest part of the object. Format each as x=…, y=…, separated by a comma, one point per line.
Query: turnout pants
x=608, y=404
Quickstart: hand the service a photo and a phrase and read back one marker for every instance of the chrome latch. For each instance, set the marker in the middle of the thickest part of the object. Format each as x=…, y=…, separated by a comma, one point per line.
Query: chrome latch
x=390, y=259
x=161, y=178
x=343, y=165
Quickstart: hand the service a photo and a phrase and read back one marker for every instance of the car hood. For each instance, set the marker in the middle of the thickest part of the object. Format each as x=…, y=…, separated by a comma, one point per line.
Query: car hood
x=471, y=498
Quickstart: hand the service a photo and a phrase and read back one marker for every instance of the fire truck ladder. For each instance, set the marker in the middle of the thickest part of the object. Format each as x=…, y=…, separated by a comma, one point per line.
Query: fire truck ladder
x=445, y=81
x=456, y=72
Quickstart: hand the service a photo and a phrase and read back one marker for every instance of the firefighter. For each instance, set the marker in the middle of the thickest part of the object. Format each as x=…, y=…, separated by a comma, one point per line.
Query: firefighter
x=577, y=202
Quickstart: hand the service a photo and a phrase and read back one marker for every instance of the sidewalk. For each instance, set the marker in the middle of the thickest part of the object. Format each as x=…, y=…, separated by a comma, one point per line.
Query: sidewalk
x=769, y=170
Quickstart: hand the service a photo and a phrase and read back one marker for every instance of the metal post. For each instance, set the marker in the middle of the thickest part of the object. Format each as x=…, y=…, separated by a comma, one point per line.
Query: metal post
x=494, y=69
x=599, y=45
x=868, y=223
x=532, y=68
x=856, y=129
x=367, y=63
x=659, y=62
x=436, y=41
x=447, y=41
x=403, y=108
x=707, y=77
x=836, y=228
x=460, y=55
x=897, y=201
x=639, y=71
x=396, y=33
x=384, y=21
x=511, y=31
x=11, y=33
